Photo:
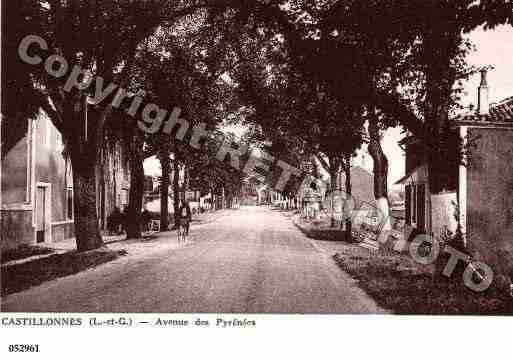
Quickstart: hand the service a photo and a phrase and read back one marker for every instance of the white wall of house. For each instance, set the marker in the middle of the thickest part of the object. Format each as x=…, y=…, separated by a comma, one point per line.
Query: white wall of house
x=443, y=214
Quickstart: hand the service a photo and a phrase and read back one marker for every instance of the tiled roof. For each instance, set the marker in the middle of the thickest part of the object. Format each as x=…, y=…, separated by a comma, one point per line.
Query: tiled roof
x=499, y=112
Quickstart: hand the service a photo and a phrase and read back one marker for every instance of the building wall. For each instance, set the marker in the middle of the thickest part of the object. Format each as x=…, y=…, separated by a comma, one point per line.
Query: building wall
x=17, y=228
x=443, y=220
x=14, y=173
x=36, y=159
x=16, y=222
x=490, y=195
x=62, y=231
x=51, y=166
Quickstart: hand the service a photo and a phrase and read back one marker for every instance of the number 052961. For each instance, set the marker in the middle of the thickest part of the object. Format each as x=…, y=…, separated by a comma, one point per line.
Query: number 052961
x=24, y=348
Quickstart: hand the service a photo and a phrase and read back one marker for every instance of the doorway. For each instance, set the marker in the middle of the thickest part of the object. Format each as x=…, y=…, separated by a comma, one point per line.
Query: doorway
x=40, y=214
x=421, y=208
x=43, y=212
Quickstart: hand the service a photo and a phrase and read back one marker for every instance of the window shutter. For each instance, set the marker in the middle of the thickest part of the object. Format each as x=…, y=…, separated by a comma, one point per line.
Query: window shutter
x=421, y=207
x=407, y=204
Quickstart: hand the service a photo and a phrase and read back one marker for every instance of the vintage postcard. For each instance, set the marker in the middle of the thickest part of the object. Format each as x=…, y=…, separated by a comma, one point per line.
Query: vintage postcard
x=256, y=170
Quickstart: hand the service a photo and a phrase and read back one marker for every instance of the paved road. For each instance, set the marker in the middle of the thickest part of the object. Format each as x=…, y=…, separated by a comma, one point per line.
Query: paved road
x=252, y=260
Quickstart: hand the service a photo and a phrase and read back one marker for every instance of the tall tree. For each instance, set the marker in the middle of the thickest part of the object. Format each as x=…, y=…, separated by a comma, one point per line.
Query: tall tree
x=101, y=40
x=366, y=51
x=20, y=100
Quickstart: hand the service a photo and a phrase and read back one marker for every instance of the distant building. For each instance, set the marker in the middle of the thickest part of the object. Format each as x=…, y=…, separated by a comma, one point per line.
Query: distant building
x=249, y=192
x=362, y=193
x=37, y=185
x=362, y=185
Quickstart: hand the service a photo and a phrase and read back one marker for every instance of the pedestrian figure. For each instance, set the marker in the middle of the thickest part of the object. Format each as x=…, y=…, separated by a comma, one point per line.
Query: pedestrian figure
x=145, y=220
x=184, y=219
x=114, y=221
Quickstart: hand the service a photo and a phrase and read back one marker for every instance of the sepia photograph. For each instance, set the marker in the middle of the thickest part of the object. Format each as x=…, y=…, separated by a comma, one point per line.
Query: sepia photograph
x=254, y=157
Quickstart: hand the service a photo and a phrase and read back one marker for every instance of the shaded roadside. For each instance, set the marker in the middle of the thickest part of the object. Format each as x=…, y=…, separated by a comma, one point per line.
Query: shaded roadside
x=29, y=266
x=18, y=277
x=400, y=284
x=23, y=252
x=396, y=282
x=321, y=231
x=38, y=251
x=253, y=261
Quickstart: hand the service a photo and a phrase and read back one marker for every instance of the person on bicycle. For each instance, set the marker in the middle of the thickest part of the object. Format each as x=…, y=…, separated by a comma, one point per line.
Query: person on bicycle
x=185, y=215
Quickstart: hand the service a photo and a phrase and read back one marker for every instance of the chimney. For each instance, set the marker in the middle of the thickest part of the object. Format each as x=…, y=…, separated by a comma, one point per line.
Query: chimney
x=483, y=104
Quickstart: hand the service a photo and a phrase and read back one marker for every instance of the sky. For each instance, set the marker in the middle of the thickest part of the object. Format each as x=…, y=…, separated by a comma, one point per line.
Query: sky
x=493, y=47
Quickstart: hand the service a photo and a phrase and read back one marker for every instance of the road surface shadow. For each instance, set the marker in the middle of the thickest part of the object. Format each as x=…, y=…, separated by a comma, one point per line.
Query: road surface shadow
x=18, y=277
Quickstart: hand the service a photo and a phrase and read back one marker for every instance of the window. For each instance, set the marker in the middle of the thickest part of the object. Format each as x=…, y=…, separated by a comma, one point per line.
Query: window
x=69, y=203
x=415, y=203
x=421, y=207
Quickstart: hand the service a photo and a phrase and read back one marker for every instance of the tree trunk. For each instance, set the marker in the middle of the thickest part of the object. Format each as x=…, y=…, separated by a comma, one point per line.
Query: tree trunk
x=87, y=231
x=349, y=223
x=165, y=163
x=101, y=182
x=185, y=185
x=380, y=174
x=133, y=214
x=342, y=223
x=333, y=189
x=176, y=190
x=332, y=168
x=84, y=141
x=440, y=76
